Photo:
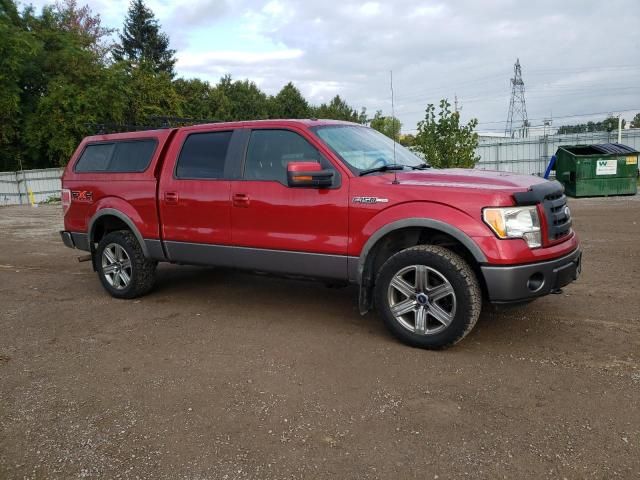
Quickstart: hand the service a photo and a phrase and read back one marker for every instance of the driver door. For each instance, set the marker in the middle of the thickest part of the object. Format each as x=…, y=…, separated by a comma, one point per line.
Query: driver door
x=295, y=230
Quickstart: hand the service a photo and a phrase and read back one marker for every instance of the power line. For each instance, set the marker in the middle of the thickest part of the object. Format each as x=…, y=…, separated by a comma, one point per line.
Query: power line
x=437, y=91
x=563, y=117
x=568, y=93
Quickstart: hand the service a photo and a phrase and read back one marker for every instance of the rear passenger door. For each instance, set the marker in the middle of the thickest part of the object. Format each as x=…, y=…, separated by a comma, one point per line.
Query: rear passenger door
x=194, y=192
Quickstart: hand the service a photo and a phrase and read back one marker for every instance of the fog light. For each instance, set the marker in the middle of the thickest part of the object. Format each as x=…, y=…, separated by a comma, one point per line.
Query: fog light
x=535, y=282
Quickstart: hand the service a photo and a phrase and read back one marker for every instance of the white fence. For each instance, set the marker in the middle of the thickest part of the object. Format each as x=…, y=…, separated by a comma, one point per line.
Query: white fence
x=15, y=186
x=530, y=156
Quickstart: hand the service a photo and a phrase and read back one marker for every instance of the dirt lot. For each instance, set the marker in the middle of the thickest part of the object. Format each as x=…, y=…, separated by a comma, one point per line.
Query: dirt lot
x=219, y=374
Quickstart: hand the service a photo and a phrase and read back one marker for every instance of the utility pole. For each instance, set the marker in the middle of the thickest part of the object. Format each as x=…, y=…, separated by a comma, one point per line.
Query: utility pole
x=517, y=105
x=619, y=128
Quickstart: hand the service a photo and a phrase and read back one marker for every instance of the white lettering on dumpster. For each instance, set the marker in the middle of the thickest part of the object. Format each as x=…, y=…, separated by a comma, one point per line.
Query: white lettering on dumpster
x=607, y=167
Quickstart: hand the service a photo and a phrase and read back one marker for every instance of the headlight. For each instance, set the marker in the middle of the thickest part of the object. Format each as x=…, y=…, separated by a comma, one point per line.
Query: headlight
x=515, y=222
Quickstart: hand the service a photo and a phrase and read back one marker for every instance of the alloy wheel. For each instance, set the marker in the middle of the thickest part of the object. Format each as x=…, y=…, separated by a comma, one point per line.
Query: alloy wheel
x=422, y=300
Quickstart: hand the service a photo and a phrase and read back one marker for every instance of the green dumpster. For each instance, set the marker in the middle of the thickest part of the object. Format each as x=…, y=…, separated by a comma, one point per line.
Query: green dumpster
x=597, y=170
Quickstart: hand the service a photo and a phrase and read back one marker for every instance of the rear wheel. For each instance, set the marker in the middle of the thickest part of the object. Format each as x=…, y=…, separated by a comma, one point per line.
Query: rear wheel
x=122, y=267
x=428, y=296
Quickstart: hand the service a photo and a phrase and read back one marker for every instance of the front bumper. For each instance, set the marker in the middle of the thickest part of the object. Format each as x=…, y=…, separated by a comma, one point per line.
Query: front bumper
x=512, y=284
x=75, y=240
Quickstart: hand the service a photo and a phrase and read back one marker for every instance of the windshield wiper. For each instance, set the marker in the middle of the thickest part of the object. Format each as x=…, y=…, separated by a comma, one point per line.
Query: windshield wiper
x=421, y=166
x=382, y=168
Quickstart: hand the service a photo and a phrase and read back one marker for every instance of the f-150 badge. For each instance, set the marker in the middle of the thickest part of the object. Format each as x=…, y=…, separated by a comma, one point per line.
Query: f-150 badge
x=370, y=200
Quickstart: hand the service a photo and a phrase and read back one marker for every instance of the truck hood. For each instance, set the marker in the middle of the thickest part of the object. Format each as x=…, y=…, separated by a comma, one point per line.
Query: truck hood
x=469, y=178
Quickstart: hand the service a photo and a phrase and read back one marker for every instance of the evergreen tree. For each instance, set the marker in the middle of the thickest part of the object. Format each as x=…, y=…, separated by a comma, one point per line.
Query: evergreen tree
x=338, y=109
x=142, y=43
x=289, y=103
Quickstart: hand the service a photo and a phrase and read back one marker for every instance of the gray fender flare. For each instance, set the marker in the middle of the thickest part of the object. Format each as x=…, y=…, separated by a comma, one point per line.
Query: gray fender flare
x=116, y=213
x=459, y=235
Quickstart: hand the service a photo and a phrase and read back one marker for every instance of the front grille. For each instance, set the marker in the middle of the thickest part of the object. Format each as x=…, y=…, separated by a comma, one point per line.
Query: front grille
x=557, y=214
x=550, y=195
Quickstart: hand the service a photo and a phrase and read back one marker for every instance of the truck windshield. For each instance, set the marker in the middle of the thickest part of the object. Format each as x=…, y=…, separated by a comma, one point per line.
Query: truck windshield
x=364, y=148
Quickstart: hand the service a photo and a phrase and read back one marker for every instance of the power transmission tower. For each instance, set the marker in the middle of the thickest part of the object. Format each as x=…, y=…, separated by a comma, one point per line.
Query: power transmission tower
x=517, y=106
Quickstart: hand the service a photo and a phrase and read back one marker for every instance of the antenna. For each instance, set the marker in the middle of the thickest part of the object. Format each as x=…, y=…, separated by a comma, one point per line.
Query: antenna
x=393, y=125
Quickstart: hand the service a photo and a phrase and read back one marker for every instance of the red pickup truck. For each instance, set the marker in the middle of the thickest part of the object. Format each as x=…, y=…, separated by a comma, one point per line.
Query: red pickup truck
x=327, y=200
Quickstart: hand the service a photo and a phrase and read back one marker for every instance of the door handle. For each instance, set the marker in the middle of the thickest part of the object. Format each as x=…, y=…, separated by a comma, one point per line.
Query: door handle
x=171, y=198
x=240, y=200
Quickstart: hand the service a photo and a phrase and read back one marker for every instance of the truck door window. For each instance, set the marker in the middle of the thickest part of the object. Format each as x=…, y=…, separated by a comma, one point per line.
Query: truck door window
x=203, y=155
x=270, y=151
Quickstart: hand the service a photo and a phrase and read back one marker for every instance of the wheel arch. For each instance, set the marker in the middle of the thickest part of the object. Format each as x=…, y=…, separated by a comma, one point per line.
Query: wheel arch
x=103, y=222
x=406, y=233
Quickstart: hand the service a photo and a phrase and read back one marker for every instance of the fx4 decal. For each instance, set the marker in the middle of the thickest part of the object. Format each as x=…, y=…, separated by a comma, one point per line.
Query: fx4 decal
x=370, y=200
x=82, y=195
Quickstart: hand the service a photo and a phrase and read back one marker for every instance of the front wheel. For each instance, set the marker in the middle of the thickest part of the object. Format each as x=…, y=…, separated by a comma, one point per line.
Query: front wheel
x=122, y=267
x=428, y=296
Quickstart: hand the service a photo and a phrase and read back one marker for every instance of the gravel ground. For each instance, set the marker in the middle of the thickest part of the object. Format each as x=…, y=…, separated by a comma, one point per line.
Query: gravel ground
x=225, y=375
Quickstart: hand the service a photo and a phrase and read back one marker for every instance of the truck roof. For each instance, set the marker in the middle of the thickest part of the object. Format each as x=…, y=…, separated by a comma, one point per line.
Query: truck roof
x=309, y=122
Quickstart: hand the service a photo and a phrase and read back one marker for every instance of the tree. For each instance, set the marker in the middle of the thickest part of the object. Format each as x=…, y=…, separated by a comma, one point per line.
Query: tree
x=57, y=84
x=195, y=98
x=53, y=82
x=338, y=109
x=87, y=26
x=611, y=123
x=18, y=49
x=142, y=42
x=289, y=103
x=68, y=90
x=635, y=123
x=389, y=126
x=240, y=100
x=607, y=125
x=407, y=140
x=146, y=94
x=443, y=141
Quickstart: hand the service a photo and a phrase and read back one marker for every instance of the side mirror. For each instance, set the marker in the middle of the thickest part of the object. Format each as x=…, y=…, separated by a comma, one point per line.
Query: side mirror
x=308, y=174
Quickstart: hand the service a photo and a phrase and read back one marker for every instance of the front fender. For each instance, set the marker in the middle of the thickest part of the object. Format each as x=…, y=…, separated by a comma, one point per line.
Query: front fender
x=437, y=216
x=432, y=215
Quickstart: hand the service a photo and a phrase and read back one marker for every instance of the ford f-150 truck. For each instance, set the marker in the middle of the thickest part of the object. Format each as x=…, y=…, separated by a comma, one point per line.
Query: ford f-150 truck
x=327, y=200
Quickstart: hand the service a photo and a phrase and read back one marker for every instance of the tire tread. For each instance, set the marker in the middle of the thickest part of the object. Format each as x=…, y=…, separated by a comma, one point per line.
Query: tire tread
x=460, y=265
x=144, y=270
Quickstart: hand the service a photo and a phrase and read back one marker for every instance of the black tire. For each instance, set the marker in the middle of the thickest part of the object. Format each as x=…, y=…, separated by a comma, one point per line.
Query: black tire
x=142, y=271
x=462, y=305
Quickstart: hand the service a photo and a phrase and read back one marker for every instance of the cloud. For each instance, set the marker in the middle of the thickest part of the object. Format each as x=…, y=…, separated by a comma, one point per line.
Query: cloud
x=370, y=9
x=577, y=56
x=229, y=57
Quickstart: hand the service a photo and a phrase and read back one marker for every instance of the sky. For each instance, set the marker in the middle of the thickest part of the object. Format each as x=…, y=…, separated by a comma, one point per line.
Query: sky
x=578, y=57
